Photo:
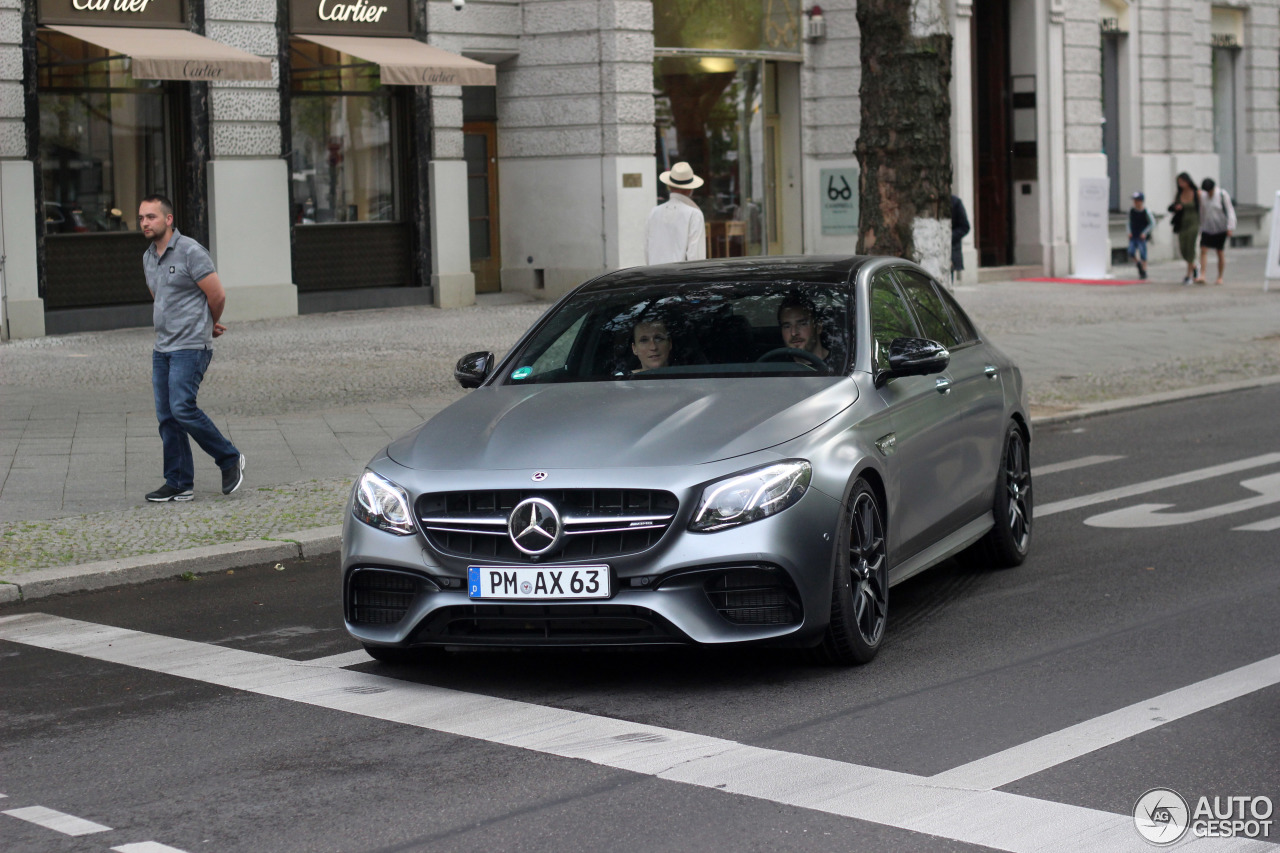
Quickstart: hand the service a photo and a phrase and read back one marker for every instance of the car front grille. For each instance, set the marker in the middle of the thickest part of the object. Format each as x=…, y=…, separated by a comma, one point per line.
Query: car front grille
x=751, y=595
x=548, y=624
x=598, y=523
x=380, y=597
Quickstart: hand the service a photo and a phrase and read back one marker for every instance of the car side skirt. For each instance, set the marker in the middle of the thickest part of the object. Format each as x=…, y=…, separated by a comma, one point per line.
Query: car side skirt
x=944, y=548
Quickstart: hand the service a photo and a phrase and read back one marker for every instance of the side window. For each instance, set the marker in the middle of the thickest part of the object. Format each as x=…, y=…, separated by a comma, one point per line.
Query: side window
x=964, y=326
x=890, y=317
x=932, y=314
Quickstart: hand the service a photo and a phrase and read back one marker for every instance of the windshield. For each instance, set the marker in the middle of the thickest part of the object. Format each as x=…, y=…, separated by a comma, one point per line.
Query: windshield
x=668, y=331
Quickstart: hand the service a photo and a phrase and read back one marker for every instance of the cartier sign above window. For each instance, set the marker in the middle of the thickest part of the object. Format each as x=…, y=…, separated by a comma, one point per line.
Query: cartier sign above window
x=119, y=13
x=351, y=17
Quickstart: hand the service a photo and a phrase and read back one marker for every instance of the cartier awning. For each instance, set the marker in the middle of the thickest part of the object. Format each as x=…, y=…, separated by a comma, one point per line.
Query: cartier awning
x=169, y=54
x=409, y=62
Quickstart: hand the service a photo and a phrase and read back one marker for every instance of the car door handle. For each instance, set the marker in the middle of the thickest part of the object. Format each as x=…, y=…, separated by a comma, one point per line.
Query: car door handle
x=992, y=371
x=944, y=385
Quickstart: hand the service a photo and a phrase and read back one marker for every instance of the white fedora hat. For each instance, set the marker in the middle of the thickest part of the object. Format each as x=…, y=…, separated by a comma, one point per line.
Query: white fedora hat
x=681, y=176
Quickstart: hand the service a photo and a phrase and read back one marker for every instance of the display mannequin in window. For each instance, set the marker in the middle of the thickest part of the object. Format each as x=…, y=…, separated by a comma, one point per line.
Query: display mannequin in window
x=189, y=299
x=675, y=230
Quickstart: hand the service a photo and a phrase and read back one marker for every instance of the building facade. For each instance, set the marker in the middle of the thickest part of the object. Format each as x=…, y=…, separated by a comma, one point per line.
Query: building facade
x=349, y=153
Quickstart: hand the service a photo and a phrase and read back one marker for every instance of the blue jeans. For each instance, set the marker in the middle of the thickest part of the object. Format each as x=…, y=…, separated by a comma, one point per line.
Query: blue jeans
x=1137, y=249
x=175, y=381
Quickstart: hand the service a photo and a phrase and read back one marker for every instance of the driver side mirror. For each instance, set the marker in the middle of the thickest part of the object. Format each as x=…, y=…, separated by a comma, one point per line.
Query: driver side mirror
x=473, y=369
x=914, y=357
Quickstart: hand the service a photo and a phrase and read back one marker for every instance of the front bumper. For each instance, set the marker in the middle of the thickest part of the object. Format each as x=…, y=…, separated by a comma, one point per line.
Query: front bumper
x=767, y=581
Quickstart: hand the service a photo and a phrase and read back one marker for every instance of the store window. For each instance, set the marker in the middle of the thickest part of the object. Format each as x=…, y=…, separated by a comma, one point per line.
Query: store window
x=716, y=78
x=344, y=131
x=720, y=115
x=103, y=143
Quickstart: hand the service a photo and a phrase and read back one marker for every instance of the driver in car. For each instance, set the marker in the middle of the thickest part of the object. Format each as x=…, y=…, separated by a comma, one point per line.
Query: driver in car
x=800, y=328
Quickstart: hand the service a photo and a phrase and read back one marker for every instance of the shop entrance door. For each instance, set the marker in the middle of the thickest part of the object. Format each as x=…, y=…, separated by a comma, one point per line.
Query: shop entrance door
x=773, y=186
x=480, y=147
x=993, y=220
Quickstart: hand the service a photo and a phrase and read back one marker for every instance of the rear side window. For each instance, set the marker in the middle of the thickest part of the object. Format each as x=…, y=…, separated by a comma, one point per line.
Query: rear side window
x=963, y=325
x=935, y=321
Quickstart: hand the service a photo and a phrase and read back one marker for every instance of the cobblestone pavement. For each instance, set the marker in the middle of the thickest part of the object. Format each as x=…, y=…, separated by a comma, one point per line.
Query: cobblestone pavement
x=309, y=399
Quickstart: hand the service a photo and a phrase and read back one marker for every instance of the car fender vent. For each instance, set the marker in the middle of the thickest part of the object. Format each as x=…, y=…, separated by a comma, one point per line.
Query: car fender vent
x=381, y=596
x=753, y=595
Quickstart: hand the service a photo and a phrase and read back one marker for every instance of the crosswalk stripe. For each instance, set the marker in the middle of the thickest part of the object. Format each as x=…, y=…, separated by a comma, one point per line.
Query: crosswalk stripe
x=1053, y=749
x=992, y=818
x=57, y=821
x=147, y=847
x=342, y=659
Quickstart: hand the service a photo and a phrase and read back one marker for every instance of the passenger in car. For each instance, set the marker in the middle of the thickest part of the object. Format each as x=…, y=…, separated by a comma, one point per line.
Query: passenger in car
x=651, y=344
x=798, y=322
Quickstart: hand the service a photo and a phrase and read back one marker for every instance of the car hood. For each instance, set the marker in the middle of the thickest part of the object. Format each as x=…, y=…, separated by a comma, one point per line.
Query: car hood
x=621, y=424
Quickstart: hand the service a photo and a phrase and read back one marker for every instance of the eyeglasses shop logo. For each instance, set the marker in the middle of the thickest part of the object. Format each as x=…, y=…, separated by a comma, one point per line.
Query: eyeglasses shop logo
x=1163, y=817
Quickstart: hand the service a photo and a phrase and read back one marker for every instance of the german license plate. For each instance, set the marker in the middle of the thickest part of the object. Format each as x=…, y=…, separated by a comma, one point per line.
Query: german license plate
x=549, y=583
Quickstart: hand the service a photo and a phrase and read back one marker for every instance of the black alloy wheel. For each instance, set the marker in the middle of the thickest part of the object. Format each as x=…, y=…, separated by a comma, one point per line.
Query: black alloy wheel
x=1007, y=544
x=860, y=596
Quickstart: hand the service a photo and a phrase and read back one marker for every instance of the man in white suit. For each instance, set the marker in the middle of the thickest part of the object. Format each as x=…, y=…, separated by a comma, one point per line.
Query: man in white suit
x=675, y=230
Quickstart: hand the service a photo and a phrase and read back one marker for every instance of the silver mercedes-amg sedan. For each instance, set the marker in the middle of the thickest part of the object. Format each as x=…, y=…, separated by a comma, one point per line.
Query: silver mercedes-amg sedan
x=740, y=451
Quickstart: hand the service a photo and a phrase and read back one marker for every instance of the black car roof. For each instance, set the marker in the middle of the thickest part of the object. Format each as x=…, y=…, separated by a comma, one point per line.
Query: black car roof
x=819, y=269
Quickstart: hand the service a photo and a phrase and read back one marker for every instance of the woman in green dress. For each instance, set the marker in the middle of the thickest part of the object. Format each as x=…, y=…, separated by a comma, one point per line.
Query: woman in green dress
x=1186, y=223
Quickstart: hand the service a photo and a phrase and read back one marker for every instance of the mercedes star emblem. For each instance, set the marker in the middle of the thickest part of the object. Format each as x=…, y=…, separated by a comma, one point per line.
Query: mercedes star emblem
x=539, y=476
x=534, y=526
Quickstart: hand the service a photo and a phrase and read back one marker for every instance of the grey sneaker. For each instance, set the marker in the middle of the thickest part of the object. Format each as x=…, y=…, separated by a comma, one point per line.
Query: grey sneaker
x=168, y=493
x=233, y=476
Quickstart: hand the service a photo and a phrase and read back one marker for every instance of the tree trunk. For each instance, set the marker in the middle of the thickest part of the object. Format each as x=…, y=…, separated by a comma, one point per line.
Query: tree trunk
x=904, y=146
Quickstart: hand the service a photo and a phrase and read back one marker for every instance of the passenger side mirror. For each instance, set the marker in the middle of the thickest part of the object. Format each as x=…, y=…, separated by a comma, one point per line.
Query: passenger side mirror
x=914, y=357
x=473, y=369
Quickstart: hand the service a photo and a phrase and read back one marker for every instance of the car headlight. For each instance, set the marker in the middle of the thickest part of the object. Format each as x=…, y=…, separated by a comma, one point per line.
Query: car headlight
x=382, y=504
x=751, y=495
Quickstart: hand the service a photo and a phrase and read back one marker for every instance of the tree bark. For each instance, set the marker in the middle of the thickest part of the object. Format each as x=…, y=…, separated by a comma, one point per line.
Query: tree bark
x=904, y=144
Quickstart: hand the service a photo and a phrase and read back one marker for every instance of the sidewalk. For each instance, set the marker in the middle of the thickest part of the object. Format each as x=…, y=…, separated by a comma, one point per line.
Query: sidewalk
x=310, y=399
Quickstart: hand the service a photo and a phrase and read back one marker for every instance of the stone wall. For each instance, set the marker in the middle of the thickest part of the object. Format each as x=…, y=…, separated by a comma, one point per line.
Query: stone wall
x=13, y=139
x=1082, y=68
x=244, y=116
x=829, y=84
x=582, y=84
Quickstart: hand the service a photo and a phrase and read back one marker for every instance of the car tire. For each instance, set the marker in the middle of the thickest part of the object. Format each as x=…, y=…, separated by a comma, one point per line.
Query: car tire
x=1007, y=543
x=860, y=591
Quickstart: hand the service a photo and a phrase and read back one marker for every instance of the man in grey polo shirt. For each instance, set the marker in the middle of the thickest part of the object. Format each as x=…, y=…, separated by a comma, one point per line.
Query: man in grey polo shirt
x=188, y=304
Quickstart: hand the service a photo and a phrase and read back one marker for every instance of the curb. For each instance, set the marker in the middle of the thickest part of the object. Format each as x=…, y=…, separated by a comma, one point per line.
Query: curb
x=1146, y=400
x=320, y=541
x=84, y=577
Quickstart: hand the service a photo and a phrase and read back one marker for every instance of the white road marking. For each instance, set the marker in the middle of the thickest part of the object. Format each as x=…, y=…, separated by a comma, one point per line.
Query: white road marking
x=991, y=818
x=1265, y=525
x=147, y=847
x=57, y=821
x=1053, y=749
x=1155, y=485
x=342, y=659
x=1071, y=464
x=1150, y=515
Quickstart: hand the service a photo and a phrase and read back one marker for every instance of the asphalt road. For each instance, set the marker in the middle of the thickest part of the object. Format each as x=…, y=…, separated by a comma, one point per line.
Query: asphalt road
x=1138, y=647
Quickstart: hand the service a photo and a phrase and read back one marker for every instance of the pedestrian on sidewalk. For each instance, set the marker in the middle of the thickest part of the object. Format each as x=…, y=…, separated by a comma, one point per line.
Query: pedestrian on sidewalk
x=1186, y=223
x=1217, y=223
x=959, y=228
x=675, y=230
x=189, y=299
x=1141, y=224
